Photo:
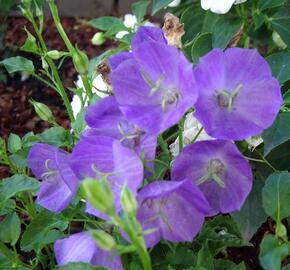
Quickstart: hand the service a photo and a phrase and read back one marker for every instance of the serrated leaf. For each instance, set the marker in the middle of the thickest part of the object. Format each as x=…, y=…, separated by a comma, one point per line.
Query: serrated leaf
x=10, y=229
x=9, y=187
x=276, y=195
x=56, y=136
x=37, y=232
x=18, y=63
x=278, y=133
x=272, y=253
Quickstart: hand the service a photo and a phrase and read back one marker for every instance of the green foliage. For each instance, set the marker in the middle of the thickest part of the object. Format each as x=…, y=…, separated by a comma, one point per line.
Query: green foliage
x=110, y=25
x=202, y=44
x=272, y=253
x=280, y=64
x=159, y=4
x=10, y=229
x=252, y=214
x=79, y=266
x=278, y=133
x=9, y=187
x=45, y=228
x=18, y=63
x=276, y=195
x=139, y=9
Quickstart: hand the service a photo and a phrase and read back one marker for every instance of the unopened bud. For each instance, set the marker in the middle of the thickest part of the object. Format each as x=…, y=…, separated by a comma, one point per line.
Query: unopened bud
x=44, y=63
x=81, y=61
x=104, y=240
x=281, y=230
x=98, y=39
x=278, y=40
x=42, y=111
x=99, y=194
x=128, y=201
x=55, y=55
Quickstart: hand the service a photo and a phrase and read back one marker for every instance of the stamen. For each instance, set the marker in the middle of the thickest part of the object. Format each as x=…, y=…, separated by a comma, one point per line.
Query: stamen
x=226, y=99
x=155, y=86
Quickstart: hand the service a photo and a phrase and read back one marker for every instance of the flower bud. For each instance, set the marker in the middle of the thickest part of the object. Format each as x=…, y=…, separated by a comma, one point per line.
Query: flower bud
x=98, y=39
x=278, y=40
x=128, y=201
x=81, y=61
x=44, y=63
x=281, y=230
x=55, y=55
x=99, y=194
x=42, y=111
x=104, y=240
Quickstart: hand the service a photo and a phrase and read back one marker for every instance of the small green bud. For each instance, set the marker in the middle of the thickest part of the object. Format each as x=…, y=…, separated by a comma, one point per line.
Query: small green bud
x=128, y=201
x=42, y=111
x=104, y=240
x=44, y=63
x=98, y=39
x=55, y=55
x=81, y=61
x=281, y=230
x=99, y=194
x=278, y=40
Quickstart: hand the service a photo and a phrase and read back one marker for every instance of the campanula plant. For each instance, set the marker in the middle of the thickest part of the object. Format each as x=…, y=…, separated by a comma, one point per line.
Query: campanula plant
x=177, y=156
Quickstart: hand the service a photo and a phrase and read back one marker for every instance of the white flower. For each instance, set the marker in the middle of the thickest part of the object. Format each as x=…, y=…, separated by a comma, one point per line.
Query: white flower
x=130, y=21
x=219, y=6
x=191, y=128
x=98, y=84
x=174, y=3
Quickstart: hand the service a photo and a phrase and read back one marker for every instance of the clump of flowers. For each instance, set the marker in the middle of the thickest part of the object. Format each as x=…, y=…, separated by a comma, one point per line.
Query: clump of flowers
x=153, y=87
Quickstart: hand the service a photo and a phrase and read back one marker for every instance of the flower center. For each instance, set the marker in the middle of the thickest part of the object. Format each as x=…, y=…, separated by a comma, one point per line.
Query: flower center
x=215, y=170
x=45, y=176
x=170, y=97
x=226, y=99
x=132, y=133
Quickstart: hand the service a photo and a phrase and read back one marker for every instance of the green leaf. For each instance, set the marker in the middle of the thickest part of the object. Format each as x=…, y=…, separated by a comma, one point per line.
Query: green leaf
x=6, y=6
x=265, y=4
x=220, y=232
x=139, y=9
x=272, y=253
x=276, y=195
x=278, y=133
x=30, y=44
x=39, y=232
x=280, y=65
x=18, y=63
x=8, y=207
x=204, y=259
x=56, y=136
x=80, y=266
x=109, y=24
x=228, y=265
x=252, y=214
x=192, y=14
x=14, y=143
x=10, y=229
x=159, y=4
x=281, y=24
x=224, y=31
x=9, y=187
x=180, y=256
x=202, y=44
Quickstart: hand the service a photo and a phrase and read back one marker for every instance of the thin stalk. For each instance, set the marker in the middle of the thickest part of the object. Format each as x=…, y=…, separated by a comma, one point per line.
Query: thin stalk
x=54, y=71
x=197, y=134
x=70, y=47
x=44, y=81
x=265, y=160
x=180, y=134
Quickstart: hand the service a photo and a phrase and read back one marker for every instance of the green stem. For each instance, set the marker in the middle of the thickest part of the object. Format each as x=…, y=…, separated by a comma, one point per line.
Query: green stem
x=44, y=81
x=54, y=71
x=197, y=134
x=70, y=47
x=180, y=134
x=265, y=160
x=163, y=144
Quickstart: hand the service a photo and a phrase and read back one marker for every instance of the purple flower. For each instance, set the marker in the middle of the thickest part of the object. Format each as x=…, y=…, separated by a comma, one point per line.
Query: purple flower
x=100, y=156
x=219, y=170
x=174, y=210
x=81, y=247
x=155, y=86
x=106, y=119
x=59, y=183
x=238, y=96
